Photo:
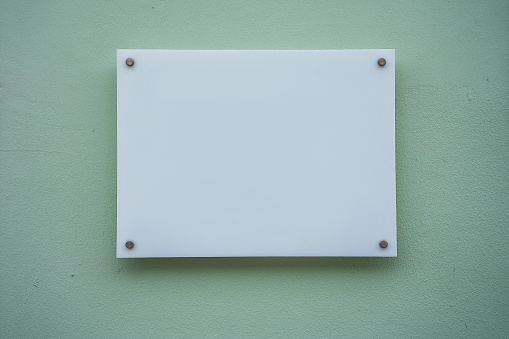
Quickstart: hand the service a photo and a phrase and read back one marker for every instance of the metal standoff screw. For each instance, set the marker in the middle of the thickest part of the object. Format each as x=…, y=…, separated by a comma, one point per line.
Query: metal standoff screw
x=129, y=62
x=129, y=244
x=381, y=62
x=384, y=244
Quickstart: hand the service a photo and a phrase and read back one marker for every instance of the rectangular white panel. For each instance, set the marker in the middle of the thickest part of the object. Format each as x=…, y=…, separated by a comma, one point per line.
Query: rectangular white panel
x=255, y=153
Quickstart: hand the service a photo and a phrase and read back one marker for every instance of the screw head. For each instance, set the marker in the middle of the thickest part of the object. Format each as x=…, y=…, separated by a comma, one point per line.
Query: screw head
x=129, y=62
x=381, y=62
x=129, y=244
x=384, y=244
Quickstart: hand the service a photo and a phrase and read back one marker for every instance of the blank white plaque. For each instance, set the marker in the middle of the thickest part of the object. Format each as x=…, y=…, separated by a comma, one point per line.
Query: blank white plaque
x=255, y=153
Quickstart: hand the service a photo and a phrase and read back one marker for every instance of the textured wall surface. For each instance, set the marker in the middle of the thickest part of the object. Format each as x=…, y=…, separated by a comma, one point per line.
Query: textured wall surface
x=58, y=273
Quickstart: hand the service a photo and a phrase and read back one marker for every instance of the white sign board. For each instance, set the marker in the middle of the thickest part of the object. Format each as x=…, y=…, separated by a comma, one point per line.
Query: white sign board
x=255, y=153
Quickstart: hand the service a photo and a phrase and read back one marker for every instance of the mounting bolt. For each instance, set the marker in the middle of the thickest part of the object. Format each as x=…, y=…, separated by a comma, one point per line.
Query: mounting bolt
x=384, y=244
x=129, y=244
x=129, y=62
x=381, y=62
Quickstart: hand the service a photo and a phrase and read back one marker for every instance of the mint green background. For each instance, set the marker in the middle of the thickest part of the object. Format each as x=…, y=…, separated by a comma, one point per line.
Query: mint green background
x=58, y=274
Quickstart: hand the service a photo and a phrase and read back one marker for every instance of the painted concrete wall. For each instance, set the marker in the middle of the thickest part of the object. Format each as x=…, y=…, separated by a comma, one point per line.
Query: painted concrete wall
x=58, y=274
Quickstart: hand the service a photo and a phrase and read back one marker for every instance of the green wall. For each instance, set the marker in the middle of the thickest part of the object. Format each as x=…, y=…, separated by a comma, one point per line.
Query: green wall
x=58, y=274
